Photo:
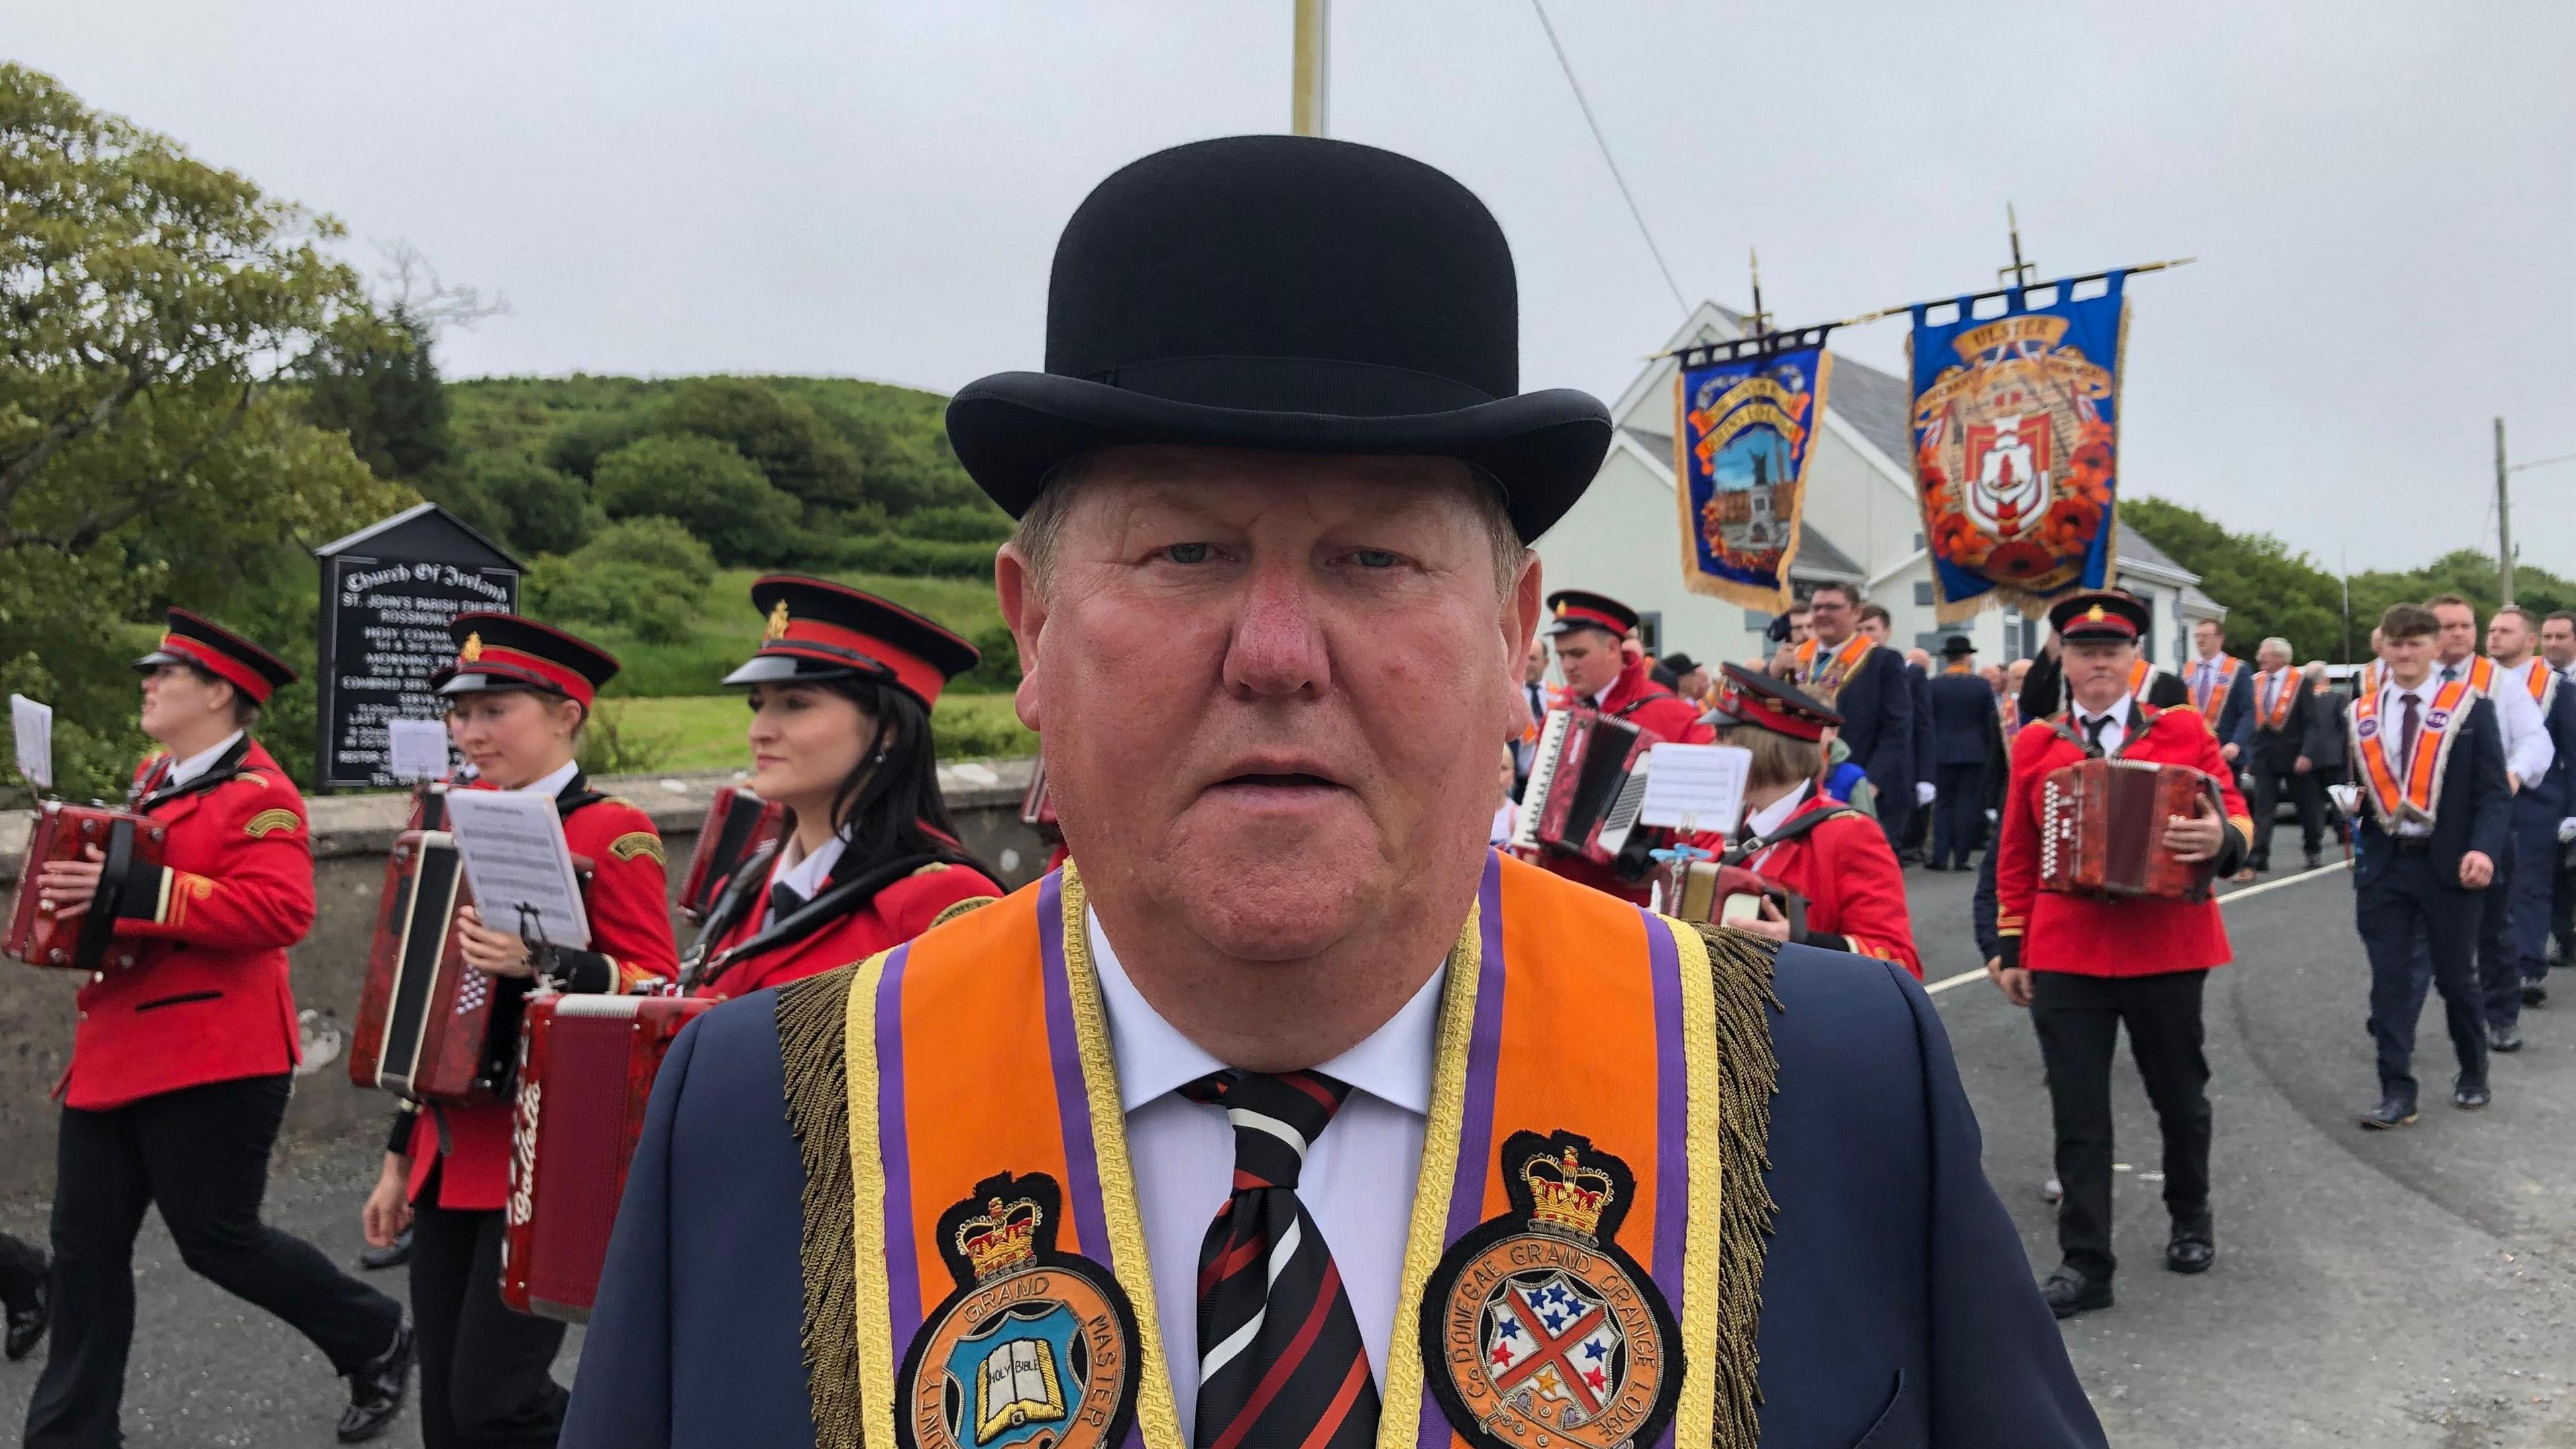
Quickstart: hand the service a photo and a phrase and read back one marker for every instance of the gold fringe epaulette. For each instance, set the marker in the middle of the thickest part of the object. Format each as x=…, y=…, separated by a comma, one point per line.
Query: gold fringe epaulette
x=812, y=1022
x=1748, y=1075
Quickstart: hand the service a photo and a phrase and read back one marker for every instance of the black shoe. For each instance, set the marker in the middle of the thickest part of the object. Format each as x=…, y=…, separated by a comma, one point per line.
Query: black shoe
x=2472, y=1097
x=2390, y=1113
x=2534, y=994
x=2315, y=861
x=2193, y=1247
x=376, y=1391
x=1936, y=865
x=27, y=1325
x=2068, y=1293
x=2504, y=1039
x=391, y=1255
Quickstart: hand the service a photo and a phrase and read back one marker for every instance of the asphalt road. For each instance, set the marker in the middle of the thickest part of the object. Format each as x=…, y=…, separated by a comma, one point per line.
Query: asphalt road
x=2407, y=1289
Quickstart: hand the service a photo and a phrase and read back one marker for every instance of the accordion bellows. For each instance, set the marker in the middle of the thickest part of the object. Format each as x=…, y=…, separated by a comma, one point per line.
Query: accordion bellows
x=2101, y=829
x=65, y=832
x=1587, y=782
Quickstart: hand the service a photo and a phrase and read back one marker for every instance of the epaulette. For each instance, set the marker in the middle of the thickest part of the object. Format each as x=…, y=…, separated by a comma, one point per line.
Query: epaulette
x=637, y=843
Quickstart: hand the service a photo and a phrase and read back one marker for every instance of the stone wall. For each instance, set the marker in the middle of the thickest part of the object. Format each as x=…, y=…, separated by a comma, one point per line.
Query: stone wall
x=351, y=835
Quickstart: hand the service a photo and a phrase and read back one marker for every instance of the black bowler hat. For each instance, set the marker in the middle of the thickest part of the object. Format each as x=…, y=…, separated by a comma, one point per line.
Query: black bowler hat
x=2105, y=616
x=1572, y=609
x=195, y=639
x=508, y=651
x=823, y=630
x=1287, y=293
x=1679, y=664
x=1752, y=697
x=1957, y=647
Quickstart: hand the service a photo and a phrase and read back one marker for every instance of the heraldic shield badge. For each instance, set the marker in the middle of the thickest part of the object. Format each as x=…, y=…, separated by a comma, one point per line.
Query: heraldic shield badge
x=1538, y=1329
x=1035, y=1349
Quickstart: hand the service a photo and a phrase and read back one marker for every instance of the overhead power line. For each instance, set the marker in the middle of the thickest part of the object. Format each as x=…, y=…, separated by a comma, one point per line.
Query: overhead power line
x=1604, y=143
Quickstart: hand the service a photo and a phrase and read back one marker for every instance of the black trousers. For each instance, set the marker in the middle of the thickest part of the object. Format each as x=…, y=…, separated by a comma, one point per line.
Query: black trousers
x=2562, y=906
x=486, y=1373
x=2304, y=791
x=1958, y=811
x=22, y=1272
x=201, y=1155
x=2499, y=950
x=2407, y=914
x=2078, y=1019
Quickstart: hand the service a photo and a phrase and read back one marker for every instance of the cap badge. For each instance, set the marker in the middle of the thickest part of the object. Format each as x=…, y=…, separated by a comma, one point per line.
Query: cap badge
x=777, y=624
x=2094, y=614
x=473, y=649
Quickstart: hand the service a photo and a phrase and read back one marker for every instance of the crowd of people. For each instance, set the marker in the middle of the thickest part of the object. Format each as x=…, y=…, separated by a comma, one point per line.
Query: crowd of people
x=1278, y=1003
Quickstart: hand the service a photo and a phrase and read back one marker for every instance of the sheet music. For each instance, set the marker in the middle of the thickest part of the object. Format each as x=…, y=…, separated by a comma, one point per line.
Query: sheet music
x=416, y=749
x=512, y=843
x=34, y=726
x=1695, y=787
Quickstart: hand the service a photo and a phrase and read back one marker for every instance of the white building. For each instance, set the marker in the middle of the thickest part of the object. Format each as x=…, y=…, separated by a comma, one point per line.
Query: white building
x=1862, y=527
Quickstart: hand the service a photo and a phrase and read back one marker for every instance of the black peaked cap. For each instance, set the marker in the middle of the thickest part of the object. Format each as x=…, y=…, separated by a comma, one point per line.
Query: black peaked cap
x=1287, y=293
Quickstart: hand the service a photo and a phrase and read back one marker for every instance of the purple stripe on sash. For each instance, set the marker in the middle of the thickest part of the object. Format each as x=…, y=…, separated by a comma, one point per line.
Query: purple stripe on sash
x=1072, y=1098
x=903, y=1263
x=1476, y=1123
x=1672, y=1116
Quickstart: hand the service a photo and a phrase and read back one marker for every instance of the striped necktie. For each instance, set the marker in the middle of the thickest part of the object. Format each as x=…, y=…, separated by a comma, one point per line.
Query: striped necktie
x=1281, y=1362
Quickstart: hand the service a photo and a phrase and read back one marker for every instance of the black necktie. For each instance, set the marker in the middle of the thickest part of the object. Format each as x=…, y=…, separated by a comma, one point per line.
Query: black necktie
x=2093, y=733
x=1281, y=1361
x=2406, y=732
x=783, y=901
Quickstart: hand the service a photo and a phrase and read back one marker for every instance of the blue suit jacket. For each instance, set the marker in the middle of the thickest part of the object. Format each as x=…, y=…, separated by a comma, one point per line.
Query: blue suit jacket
x=1963, y=718
x=2240, y=698
x=1897, y=1305
x=2549, y=793
x=2474, y=810
x=1877, y=706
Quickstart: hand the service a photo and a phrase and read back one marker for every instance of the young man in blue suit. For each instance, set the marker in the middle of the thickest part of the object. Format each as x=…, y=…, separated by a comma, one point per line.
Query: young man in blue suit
x=2514, y=979
x=2428, y=767
x=1867, y=684
x=1272, y=589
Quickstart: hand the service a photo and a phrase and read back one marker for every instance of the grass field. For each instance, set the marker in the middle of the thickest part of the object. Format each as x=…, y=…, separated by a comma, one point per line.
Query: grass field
x=705, y=732
x=729, y=629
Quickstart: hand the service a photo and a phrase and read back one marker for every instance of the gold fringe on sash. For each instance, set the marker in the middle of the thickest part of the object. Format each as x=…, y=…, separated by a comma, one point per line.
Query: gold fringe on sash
x=1748, y=1075
x=812, y=1021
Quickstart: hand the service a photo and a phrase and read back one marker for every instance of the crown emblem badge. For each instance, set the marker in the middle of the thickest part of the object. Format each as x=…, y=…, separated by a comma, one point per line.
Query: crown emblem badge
x=777, y=624
x=1002, y=1239
x=1541, y=1332
x=473, y=649
x=2094, y=614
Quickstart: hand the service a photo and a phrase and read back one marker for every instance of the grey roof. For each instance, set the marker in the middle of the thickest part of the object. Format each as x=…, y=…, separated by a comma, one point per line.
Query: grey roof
x=1659, y=444
x=1819, y=558
x=1874, y=403
x=2136, y=545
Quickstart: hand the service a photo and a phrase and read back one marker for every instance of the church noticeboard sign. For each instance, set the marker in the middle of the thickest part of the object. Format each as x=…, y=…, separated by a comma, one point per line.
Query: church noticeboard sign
x=388, y=593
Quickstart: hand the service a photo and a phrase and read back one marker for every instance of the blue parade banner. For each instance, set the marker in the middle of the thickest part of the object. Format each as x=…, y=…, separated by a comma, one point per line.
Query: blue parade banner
x=1745, y=415
x=2016, y=442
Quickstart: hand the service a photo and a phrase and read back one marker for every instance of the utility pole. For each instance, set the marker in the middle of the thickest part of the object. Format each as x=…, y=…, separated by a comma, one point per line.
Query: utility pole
x=2504, y=523
x=1306, y=108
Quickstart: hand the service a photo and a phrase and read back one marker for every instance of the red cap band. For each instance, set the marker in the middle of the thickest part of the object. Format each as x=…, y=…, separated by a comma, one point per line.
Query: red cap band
x=1577, y=614
x=512, y=663
x=834, y=644
x=223, y=666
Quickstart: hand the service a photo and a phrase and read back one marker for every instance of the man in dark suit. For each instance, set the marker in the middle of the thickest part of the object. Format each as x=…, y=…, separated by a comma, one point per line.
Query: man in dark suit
x=2278, y=744
x=1534, y=696
x=2558, y=653
x=1918, y=677
x=2514, y=976
x=2429, y=842
x=1964, y=730
x=2221, y=685
x=1865, y=682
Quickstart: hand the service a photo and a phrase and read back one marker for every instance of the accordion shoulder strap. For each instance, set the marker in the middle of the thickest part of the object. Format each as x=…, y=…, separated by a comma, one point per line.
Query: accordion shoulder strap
x=1744, y=850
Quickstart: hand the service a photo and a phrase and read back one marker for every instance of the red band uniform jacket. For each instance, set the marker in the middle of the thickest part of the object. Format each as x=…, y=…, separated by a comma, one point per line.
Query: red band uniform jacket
x=1637, y=700
x=207, y=999
x=746, y=952
x=2091, y=936
x=628, y=901
x=1855, y=890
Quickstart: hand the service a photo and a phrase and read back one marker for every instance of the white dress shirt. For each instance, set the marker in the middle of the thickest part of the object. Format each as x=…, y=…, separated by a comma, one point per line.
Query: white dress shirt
x=2115, y=733
x=197, y=764
x=2205, y=678
x=2392, y=734
x=553, y=781
x=1771, y=817
x=804, y=875
x=1356, y=1184
x=2527, y=751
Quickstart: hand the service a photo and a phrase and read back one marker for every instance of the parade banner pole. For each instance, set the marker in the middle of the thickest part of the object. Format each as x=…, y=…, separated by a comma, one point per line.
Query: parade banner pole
x=1974, y=297
x=1306, y=108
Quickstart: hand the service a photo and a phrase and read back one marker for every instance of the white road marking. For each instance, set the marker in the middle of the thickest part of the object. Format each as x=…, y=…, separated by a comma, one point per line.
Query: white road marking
x=1964, y=977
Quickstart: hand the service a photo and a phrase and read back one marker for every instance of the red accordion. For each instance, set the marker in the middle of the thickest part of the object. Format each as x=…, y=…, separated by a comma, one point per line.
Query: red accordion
x=65, y=832
x=738, y=823
x=1711, y=893
x=430, y=1027
x=2102, y=825
x=1587, y=781
x=586, y=1068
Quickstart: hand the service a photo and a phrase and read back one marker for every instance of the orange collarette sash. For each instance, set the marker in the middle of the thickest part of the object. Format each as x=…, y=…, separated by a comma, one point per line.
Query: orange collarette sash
x=1571, y=1158
x=2283, y=696
x=1837, y=669
x=2542, y=681
x=2418, y=795
x=2216, y=704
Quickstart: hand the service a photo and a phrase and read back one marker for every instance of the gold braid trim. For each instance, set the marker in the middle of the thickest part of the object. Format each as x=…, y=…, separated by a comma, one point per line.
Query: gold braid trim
x=811, y=1019
x=1748, y=1074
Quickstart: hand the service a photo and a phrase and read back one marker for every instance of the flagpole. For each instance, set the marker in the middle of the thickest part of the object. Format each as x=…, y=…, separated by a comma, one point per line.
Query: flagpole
x=1306, y=108
x=1969, y=300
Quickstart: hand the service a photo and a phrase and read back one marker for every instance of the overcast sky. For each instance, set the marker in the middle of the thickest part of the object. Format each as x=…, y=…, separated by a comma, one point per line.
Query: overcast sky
x=2383, y=196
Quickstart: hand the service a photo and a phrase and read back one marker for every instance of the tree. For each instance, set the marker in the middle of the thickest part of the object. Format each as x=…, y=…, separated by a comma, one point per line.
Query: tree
x=148, y=303
x=2269, y=590
x=643, y=575
x=542, y=511
x=791, y=446
x=711, y=489
x=379, y=385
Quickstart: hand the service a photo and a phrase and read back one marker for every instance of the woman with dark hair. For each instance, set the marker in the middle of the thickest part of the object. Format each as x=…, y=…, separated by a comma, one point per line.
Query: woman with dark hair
x=518, y=694
x=840, y=693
